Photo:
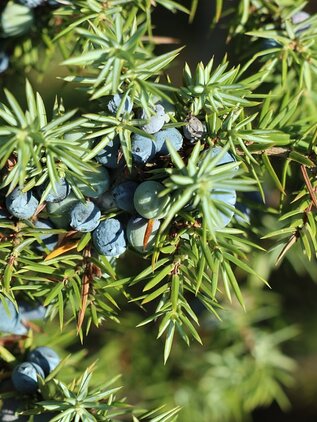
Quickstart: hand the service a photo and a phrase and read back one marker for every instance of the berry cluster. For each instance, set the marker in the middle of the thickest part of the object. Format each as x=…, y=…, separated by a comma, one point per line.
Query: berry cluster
x=40, y=361
x=119, y=209
x=137, y=203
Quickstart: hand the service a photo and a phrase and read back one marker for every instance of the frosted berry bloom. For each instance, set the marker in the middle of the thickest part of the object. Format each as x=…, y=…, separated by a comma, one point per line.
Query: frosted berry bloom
x=172, y=135
x=85, y=217
x=115, y=103
x=143, y=149
x=109, y=238
x=155, y=121
x=32, y=3
x=59, y=212
x=57, y=192
x=45, y=357
x=24, y=377
x=10, y=319
x=108, y=156
x=21, y=204
x=123, y=195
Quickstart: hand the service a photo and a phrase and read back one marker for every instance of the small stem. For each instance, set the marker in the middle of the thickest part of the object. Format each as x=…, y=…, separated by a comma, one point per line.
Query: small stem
x=309, y=186
x=175, y=291
x=278, y=151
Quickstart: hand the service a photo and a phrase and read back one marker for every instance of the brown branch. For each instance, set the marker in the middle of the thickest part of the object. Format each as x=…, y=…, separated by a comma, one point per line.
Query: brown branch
x=29, y=324
x=296, y=235
x=287, y=247
x=157, y=39
x=278, y=151
x=309, y=186
x=84, y=300
x=38, y=210
x=85, y=287
x=148, y=232
x=10, y=339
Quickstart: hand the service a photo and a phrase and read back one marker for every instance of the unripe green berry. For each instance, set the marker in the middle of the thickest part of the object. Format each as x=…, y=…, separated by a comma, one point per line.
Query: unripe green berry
x=147, y=202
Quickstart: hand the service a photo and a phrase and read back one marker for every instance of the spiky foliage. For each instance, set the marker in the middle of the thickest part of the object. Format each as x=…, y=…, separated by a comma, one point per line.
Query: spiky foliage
x=38, y=146
x=81, y=402
x=261, y=111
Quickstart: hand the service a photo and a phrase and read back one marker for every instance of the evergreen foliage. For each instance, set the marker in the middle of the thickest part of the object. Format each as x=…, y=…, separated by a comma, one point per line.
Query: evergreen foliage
x=256, y=125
